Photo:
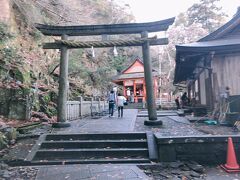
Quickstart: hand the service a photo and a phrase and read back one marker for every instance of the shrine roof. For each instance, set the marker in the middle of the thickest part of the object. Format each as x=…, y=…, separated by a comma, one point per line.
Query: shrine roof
x=131, y=76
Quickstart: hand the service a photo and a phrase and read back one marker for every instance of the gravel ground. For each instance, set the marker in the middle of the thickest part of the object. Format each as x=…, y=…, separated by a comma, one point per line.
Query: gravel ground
x=169, y=127
x=17, y=173
x=175, y=170
x=173, y=128
x=215, y=129
x=18, y=151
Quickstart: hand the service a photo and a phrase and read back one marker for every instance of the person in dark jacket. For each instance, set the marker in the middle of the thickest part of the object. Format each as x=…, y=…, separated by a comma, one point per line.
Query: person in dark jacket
x=111, y=102
x=184, y=99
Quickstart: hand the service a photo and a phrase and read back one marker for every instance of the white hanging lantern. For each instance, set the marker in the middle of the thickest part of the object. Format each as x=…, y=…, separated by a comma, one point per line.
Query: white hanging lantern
x=115, y=53
x=93, y=53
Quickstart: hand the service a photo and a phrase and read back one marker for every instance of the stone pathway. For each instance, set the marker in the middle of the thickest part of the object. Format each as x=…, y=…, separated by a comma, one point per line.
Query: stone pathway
x=105, y=124
x=93, y=172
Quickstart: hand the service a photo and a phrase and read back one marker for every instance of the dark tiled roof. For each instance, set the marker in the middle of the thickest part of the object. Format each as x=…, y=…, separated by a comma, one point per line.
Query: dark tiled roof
x=207, y=46
x=235, y=21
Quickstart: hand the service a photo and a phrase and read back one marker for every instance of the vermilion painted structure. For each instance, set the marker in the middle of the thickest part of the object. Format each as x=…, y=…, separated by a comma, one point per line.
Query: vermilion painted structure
x=132, y=78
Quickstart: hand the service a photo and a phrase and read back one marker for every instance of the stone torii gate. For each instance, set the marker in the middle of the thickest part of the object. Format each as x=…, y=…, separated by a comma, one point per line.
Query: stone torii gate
x=111, y=29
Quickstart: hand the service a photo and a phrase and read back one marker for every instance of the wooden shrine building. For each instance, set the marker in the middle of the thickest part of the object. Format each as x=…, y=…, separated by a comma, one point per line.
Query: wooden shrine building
x=210, y=66
x=132, y=78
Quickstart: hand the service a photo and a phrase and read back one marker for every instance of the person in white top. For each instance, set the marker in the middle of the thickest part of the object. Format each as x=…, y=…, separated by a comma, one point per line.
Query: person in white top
x=120, y=103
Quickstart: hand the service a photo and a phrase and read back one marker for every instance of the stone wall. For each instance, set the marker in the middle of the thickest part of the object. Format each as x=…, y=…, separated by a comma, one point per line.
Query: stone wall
x=5, y=11
x=14, y=104
x=202, y=149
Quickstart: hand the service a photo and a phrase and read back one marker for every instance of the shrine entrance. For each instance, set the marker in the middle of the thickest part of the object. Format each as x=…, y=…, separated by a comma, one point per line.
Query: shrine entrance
x=133, y=82
x=111, y=29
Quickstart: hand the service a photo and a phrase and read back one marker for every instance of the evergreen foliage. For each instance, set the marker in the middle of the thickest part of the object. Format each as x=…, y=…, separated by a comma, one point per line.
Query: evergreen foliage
x=199, y=20
x=117, y=62
x=207, y=13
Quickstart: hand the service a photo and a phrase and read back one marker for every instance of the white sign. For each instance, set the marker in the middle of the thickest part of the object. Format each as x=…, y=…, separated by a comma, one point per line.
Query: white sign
x=139, y=81
x=128, y=83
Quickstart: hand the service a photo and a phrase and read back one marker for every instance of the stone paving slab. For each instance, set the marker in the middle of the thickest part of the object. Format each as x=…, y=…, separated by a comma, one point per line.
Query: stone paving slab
x=105, y=124
x=158, y=114
x=96, y=172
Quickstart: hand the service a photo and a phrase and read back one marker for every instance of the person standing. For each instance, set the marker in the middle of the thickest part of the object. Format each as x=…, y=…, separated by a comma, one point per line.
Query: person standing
x=111, y=102
x=177, y=103
x=184, y=99
x=128, y=94
x=132, y=97
x=120, y=103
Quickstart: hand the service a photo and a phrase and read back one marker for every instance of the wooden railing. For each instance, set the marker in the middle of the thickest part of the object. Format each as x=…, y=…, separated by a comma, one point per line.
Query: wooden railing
x=81, y=108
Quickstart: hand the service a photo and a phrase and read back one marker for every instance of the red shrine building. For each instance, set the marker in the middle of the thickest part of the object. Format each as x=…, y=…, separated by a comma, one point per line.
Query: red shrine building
x=132, y=79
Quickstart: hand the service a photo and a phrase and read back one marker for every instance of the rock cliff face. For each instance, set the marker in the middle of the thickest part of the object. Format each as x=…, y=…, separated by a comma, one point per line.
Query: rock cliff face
x=5, y=10
x=26, y=67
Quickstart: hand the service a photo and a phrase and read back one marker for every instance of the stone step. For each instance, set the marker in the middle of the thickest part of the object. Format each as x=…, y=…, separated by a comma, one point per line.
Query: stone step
x=59, y=154
x=94, y=144
x=72, y=137
x=90, y=161
x=94, y=148
x=134, y=106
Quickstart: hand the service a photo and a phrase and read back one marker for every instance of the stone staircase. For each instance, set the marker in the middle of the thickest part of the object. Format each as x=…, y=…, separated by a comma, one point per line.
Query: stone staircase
x=134, y=106
x=53, y=149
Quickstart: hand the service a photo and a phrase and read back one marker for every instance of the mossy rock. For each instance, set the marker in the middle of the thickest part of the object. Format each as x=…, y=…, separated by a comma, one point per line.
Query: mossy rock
x=10, y=133
x=51, y=111
x=3, y=141
x=23, y=75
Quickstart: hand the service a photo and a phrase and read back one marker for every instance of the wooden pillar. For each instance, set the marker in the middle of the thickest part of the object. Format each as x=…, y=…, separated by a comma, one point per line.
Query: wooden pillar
x=63, y=88
x=210, y=89
x=154, y=88
x=124, y=90
x=134, y=91
x=209, y=61
x=151, y=104
x=144, y=91
x=199, y=90
x=80, y=99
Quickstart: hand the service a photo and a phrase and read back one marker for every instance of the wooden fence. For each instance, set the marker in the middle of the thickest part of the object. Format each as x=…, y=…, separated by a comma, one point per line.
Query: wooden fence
x=81, y=108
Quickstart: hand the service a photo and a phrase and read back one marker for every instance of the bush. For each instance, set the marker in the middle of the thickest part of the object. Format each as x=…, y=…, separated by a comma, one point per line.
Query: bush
x=4, y=33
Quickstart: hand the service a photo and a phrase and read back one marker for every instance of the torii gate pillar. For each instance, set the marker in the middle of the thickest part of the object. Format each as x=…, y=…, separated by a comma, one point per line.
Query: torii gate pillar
x=151, y=105
x=63, y=88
